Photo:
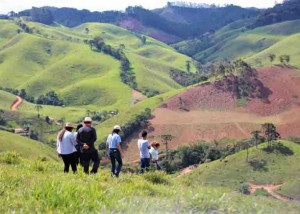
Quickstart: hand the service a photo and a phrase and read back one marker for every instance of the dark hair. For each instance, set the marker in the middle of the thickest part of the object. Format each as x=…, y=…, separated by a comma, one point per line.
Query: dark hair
x=144, y=133
x=78, y=127
x=115, y=131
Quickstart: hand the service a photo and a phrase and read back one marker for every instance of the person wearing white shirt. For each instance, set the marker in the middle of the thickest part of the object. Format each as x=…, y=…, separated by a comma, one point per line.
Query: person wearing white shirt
x=66, y=147
x=113, y=145
x=144, y=146
x=154, y=154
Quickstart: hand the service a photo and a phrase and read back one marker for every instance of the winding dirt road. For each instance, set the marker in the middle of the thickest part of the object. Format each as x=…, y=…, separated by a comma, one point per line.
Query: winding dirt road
x=16, y=103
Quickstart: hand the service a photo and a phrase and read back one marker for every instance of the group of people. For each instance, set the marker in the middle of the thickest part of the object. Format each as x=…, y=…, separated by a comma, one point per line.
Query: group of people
x=79, y=147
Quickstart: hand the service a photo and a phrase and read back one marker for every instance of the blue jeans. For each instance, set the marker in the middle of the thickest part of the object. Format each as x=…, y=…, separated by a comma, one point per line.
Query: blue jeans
x=145, y=164
x=157, y=165
x=115, y=155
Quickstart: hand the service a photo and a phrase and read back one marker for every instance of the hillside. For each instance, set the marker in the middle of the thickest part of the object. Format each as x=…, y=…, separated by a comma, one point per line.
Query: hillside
x=27, y=148
x=208, y=112
x=288, y=10
x=161, y=24
x=235, y=41
x=44, y=184
x=55, y=58
x=278, y=167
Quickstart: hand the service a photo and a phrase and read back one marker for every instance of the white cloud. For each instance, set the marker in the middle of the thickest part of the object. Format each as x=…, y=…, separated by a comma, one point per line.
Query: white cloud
x=101, y=5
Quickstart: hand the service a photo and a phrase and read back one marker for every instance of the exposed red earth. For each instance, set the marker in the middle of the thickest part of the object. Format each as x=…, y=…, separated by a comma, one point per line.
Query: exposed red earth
x=207, y=113
x=270, y=189
x=16, y=103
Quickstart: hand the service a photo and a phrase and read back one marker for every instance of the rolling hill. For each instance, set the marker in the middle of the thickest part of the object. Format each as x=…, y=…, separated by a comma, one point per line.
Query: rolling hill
x=278, y=167
x=207, y=112
x=27, y=148
x=55, y=58
x=235, y=41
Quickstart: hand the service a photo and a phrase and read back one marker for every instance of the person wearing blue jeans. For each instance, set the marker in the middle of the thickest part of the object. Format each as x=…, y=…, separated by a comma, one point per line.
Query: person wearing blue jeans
x=144, y=146
x=115, y=151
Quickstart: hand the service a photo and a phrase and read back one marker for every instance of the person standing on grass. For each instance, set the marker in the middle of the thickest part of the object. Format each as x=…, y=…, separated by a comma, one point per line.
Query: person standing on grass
x=115, y=153
x=77, y=146
x=86, y=138
x=66, y=143
x=154, y=154
x=144, y=146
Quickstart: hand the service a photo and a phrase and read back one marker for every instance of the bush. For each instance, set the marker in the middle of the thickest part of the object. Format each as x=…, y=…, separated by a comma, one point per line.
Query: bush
x=156, y=178
x=261, y=192
x=245, y=189
x=10, y=158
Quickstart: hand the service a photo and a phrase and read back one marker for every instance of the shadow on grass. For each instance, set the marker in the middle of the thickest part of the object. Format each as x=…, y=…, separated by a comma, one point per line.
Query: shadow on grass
x=259, y=165
x=279, y=148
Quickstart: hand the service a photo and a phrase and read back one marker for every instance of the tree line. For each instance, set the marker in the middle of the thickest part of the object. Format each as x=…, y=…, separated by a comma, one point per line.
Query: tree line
x=203, y=152
x=127, y=74
x=50, y=98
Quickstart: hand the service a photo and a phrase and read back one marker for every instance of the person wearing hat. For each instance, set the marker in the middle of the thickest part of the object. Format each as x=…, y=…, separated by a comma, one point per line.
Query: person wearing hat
x=66, y=147
x=86, y=138
x=115, y=151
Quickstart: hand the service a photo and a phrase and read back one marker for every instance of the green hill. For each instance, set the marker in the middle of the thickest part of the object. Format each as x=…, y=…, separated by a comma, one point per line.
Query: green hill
x=278, y=167
x=55, y=58
x=27, y=148
x=235, y=41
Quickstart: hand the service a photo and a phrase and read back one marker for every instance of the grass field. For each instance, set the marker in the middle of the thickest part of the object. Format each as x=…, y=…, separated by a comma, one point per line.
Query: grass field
x=27, y=148
x=50, y=190
x=279, y=167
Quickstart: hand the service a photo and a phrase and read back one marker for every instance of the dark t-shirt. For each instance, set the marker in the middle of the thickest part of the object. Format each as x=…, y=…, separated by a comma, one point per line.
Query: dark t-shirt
x=87, y=135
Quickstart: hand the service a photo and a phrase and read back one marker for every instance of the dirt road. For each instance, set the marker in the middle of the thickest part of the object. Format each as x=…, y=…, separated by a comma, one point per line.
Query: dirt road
x=16, y=104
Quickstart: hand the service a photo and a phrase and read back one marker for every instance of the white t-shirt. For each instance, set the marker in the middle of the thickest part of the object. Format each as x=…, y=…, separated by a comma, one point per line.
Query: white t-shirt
x=143, y=147
x=154, y=153
x=67, y=144
x=113, y=141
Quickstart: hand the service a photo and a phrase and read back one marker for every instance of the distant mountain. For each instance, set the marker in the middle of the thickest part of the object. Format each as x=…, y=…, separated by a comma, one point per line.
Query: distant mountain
x=289, y=10
x=169, y=24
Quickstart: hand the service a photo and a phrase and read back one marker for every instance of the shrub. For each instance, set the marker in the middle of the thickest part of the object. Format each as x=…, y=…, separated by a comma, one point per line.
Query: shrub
x=245, y=189
x=261, y=192
x=10, y=158
x=156, y=178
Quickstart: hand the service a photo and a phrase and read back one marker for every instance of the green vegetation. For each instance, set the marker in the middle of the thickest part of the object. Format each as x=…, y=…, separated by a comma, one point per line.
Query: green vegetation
x=264, y=167
x=50, y=190
x=235, y=41
x=25, y=147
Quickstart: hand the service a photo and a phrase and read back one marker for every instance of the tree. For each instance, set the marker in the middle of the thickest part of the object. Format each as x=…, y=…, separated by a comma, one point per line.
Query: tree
x=270, y=133
x=272, y=57
x=38, y=107
x=166, y=138
x=87, y=30
x=121, y=46
x=144, y=39
x=255, y=137
x=188, y=66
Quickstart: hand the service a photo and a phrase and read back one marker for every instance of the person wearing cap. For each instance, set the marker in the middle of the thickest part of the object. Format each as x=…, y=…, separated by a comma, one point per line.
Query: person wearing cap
x=86, y=138
x=115, y=151
x=144, y=146
x=66, y=147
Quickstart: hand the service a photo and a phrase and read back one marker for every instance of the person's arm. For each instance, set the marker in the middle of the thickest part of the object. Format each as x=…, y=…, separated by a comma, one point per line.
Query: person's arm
x=94, y=135
x=119, y=146
x=78, y=140
x=148, y=145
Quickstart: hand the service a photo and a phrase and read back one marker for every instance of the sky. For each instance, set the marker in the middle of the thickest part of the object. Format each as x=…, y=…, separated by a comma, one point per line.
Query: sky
x=101, y=5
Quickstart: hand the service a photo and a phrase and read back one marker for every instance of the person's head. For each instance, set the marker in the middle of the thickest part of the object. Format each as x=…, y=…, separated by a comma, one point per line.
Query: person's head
x=78, y=127
x=87, y=121
x=144, y=134
x=116, y=129
x=69, y=127
x=155, y=144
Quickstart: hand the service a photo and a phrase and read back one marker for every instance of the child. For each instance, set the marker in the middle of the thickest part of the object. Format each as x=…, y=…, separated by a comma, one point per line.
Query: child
x=154, y=154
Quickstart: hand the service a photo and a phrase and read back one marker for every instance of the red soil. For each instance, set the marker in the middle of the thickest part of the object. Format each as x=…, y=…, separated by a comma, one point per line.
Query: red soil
x=208, y=113
x=16, y=103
